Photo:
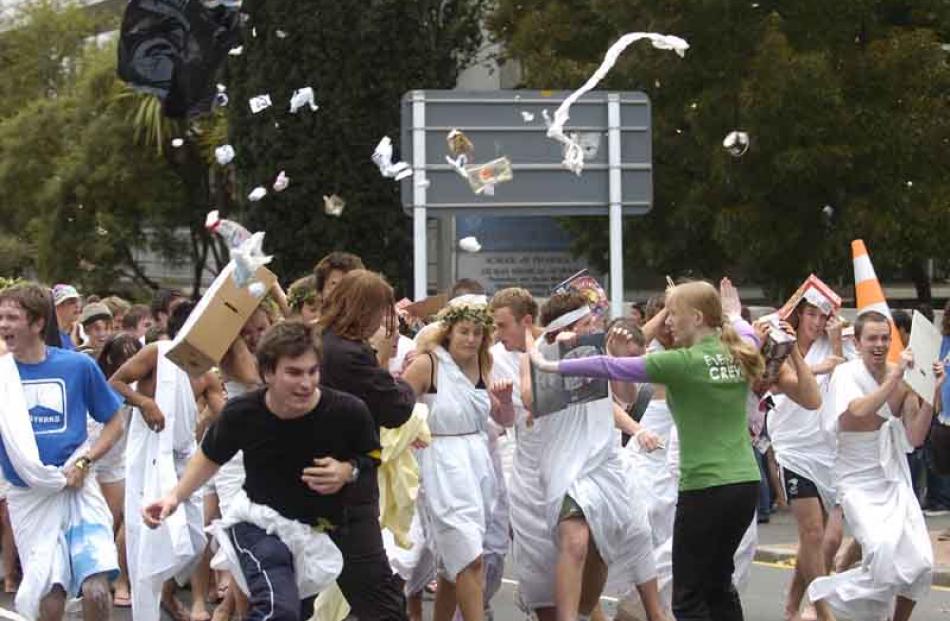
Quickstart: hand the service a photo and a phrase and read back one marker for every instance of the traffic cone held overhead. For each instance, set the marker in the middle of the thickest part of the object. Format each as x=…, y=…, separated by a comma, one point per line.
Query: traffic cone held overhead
x=869, y=296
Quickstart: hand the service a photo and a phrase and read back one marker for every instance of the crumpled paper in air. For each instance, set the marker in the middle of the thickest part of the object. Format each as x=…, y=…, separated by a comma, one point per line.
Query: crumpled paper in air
x=224, y=154
x=383, y=158
x=245, y=247
x=259, y=103
x=303, y=97
x=469, y=244
x=257, y=194
x=281, y=182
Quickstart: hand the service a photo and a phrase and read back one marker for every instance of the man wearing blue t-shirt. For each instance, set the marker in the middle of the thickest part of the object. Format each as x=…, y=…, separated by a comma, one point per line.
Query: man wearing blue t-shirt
x=60, y=388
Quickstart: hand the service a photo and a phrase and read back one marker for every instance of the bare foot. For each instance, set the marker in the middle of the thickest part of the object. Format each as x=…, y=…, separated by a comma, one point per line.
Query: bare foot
x=174, y=608
x=222, y=613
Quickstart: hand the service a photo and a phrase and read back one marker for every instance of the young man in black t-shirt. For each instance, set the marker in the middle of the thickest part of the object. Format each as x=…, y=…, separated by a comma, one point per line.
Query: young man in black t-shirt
x=289, y=425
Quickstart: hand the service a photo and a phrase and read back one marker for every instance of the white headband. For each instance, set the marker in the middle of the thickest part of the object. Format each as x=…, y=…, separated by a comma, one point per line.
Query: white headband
x=567, y=319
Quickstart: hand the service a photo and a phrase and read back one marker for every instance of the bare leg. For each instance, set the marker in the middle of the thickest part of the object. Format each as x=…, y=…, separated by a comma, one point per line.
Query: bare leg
x=546, y=614
x=469, y=591
x=114, y=493
x=903, y=608
x=201, y=577
x=414, y=606
x=53, y=605
x=96, y=598
x=445, y=601
x=170, y=604
x=573, y=539
x=796, y=592
x=592, y=585
x=11, y=578
x=650, y=598
x=834, y=533
x=811, y=562
x=848, y=557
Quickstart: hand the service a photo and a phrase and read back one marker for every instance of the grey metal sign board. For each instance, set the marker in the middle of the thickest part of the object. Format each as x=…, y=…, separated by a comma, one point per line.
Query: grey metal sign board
x=496, y=125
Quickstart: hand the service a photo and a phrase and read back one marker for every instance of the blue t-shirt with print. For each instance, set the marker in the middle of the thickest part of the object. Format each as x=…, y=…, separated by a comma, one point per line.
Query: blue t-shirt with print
x=60, y=392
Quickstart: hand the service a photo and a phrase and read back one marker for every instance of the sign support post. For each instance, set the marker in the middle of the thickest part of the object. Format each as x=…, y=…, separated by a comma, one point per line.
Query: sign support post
x=420, y=260
x=616, y=205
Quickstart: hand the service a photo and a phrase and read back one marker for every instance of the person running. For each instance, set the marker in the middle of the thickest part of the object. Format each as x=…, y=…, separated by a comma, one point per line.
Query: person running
x=274, y=537
x=161, y=440
x=451, y=377
x=351, y=314
x=806, y=456
x=48, y=393
x=533, y=550
x=590, y=505
x=878, y=420
x=708, y=375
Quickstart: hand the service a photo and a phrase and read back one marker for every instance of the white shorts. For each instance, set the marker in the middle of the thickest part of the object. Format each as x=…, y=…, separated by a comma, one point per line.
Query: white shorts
x=111, y=468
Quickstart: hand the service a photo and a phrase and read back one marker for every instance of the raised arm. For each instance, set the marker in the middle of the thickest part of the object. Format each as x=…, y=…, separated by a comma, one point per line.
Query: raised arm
x=918, y=414
x=798, y=383
x=869, y=405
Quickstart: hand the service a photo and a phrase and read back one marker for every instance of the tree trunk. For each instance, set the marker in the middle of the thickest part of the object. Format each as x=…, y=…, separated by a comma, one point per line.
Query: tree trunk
x=918, y=273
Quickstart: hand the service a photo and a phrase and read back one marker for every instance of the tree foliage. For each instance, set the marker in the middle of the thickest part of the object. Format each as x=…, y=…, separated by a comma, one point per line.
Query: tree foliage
x=845, y=102
x=359, y=61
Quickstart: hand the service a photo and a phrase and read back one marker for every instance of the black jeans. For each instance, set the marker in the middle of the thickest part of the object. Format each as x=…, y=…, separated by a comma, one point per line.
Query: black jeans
x=268, y=568
x=371, y=588
x=709, y=525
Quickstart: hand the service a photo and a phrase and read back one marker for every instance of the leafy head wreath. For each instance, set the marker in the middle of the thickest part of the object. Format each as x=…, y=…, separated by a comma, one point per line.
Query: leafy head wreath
x=465, y=311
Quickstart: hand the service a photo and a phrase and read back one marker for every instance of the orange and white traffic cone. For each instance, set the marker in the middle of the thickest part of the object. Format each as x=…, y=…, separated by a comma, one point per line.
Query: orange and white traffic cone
x=869, y=296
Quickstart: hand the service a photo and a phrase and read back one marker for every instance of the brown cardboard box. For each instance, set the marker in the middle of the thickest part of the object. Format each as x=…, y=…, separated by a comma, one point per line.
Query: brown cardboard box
x=215, y=322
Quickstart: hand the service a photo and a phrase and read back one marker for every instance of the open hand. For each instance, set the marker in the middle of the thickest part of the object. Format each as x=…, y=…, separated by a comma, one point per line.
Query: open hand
x=502, y=390
x=731, y=306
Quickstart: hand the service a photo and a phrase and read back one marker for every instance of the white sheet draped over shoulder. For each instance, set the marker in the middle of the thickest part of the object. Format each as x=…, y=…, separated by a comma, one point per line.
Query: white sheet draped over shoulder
x=154, y=461
x=875, y=492
x=456, y=469
x=582, y=459
x=63, y=536
x=799, y=438
x=533, y=550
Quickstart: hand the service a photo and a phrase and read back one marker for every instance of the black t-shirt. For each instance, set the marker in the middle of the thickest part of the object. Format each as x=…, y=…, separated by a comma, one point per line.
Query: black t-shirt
x=277, y=450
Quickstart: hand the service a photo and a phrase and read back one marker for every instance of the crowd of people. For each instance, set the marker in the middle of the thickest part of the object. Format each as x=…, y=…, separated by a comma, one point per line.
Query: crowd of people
x=350, y=453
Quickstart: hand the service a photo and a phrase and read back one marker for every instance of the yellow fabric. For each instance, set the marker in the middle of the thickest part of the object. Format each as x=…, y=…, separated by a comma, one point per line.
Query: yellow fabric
x=398, y=477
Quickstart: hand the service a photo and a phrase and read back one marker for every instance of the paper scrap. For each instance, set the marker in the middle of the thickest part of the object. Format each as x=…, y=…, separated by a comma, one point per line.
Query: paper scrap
x=257, y=194
x=224, y=154
x=527, y=116
x=458, y=165
x=281, y=182
x=573, y=152
x=736, y=143
x=459, y=144
x=248, y=257
x=233, y=233
x=177, y=142
x=261, y=102
x=469, y=244
x=383, y=158
x=303, y=97
x=236, y=51
x=333, y=205
x=281, y=34
x=484, y=176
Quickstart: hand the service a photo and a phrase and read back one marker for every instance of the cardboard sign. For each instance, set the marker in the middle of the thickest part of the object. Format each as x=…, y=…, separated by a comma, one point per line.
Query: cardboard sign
x=427, y=307
x=553, y=392
x=816, y=293
x=925, y=343
x=216, y=321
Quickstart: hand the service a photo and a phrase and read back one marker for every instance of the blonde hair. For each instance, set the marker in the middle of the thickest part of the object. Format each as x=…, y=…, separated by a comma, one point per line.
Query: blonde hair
x=703, y=297
x=437, y=334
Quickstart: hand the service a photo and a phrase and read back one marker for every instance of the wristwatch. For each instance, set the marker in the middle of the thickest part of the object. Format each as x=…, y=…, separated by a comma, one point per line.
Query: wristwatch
x=356, y=471
x=82, y=464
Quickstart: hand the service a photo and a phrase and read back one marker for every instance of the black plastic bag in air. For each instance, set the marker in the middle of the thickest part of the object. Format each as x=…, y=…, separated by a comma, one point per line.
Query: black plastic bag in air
x=173, y=48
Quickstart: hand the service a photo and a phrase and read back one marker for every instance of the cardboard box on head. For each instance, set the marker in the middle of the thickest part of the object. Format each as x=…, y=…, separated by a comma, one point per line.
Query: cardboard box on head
x=216, y=321
x=816, y=293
